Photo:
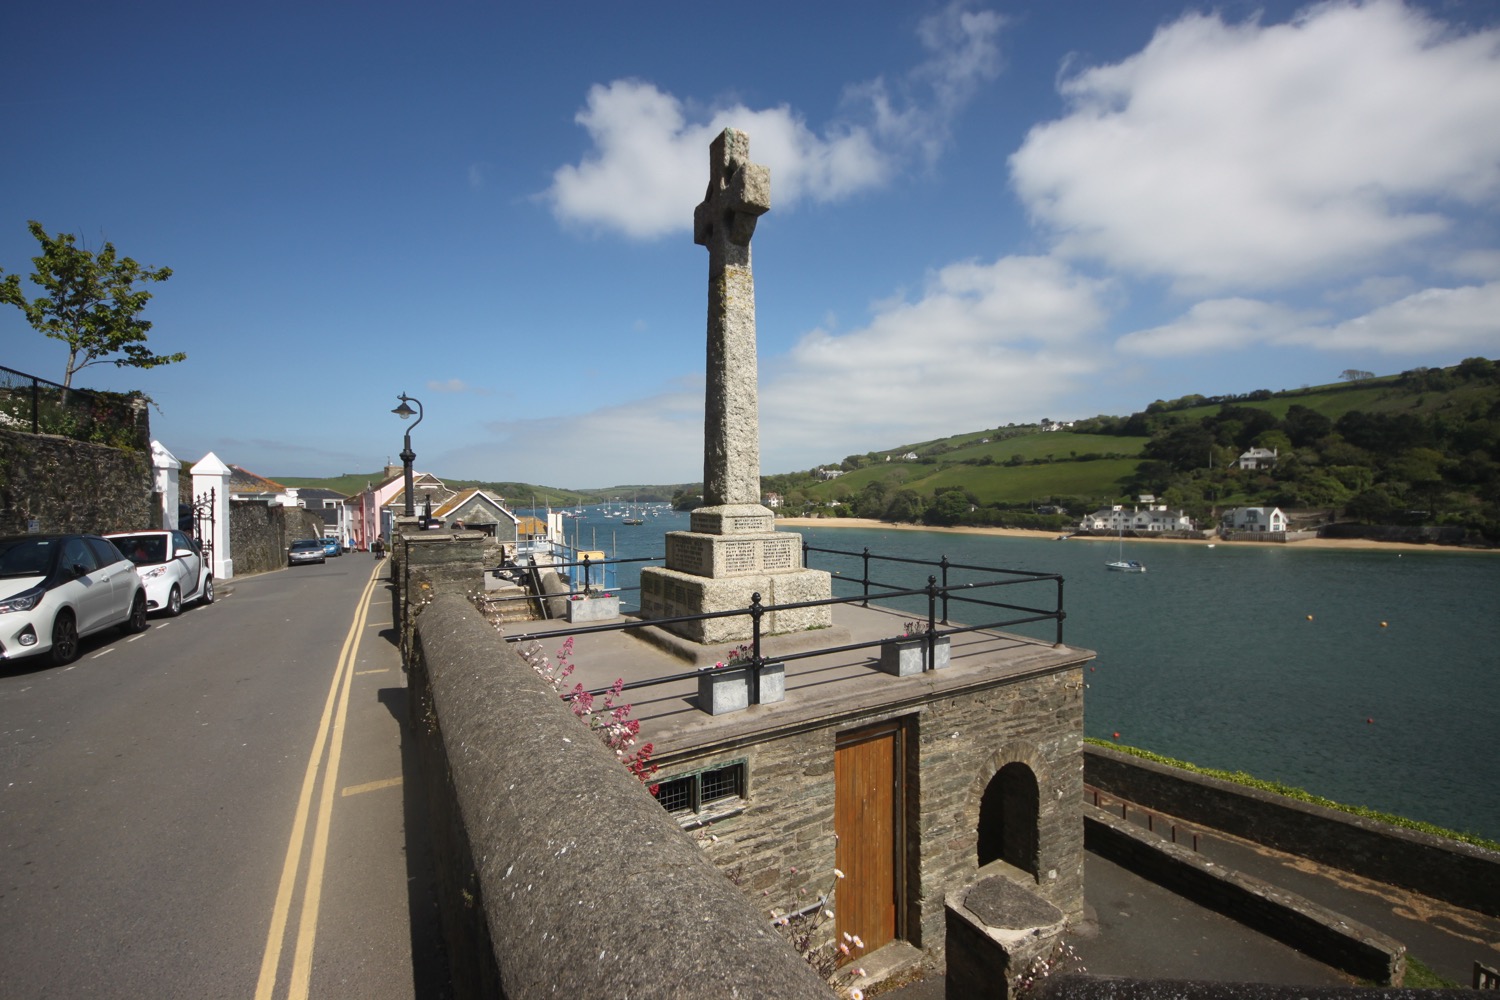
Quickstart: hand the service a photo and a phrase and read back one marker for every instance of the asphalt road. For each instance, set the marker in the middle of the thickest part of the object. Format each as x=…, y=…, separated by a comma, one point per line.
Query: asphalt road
x=215, y=808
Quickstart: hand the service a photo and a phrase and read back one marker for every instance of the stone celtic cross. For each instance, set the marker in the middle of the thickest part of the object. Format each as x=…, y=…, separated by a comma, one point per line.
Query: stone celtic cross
x=739, y=192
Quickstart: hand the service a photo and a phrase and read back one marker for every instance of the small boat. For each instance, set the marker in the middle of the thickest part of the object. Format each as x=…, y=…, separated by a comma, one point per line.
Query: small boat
x=1120, y=564
x=633, y=520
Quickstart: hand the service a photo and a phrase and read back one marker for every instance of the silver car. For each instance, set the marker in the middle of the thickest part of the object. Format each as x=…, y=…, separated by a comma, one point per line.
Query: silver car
x=305, y=550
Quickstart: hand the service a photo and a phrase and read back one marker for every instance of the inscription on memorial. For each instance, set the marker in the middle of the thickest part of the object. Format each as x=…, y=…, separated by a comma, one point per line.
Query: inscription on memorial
x=689, y=555
x=739, y=557
x=780, y=553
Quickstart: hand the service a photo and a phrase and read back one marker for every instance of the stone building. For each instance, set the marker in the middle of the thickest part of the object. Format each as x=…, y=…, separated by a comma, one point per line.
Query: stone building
x=909, y=786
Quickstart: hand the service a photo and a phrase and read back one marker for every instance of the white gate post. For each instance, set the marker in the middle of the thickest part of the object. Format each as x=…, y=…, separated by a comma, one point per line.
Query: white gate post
x=166, y=469
x=212, y=474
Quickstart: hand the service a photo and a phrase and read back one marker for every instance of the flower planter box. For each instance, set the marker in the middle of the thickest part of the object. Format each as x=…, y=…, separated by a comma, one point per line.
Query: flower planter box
x=727, y=689
x=903, y=657
x=594, y=609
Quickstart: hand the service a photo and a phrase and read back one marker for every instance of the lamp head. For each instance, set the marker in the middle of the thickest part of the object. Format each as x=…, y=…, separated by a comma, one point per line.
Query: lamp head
x=403, y=411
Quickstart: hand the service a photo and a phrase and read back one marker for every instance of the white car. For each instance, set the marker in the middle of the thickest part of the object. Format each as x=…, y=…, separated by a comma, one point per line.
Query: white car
x=170, y=565
x=55, y=589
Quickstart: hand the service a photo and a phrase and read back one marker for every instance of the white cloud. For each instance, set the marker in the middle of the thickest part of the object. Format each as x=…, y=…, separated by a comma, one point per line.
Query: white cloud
x=1216, y=326
x=1228, y=156
x=648, y=163
x=986, y=344
x=1434, y=320
x=454, y=385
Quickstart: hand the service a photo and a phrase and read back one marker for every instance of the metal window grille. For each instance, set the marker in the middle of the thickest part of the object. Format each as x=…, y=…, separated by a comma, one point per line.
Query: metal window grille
x=721, y=784
x=690, y=793
x=676, y=795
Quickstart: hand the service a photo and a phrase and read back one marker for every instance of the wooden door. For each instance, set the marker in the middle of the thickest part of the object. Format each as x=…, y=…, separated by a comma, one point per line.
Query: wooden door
x=867, y=819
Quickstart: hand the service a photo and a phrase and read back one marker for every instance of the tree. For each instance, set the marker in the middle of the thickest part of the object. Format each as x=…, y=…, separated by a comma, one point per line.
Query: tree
x=91, y=303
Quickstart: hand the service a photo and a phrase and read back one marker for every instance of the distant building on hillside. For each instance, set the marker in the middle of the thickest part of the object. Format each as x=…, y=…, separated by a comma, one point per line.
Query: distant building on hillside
x=1258, y=458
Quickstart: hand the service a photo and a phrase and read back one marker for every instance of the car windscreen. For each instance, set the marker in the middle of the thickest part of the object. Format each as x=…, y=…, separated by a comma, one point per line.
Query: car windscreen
x=143, y=550
x=28, y=556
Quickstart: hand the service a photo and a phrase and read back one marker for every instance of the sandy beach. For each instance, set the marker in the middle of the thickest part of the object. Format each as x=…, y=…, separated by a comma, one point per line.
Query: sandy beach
x=1309, y=543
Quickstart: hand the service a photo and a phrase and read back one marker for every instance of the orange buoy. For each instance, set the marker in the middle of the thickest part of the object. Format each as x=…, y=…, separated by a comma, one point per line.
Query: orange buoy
x=1309, y=617
x=1117, y=735
x=1382, y=624
x=1369, y=722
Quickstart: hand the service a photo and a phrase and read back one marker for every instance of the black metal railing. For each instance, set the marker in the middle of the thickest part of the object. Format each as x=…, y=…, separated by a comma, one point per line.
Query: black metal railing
x=37, y=406
x=939, y=595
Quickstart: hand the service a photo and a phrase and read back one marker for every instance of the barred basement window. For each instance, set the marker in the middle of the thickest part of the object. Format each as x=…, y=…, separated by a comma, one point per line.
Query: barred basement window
x=694, y=793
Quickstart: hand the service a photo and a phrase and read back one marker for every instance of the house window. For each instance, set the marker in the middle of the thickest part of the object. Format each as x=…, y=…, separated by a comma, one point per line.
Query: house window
x=716, y=789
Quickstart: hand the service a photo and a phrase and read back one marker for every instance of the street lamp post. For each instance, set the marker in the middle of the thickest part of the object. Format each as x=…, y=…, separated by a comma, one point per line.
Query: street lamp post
x=407, y=455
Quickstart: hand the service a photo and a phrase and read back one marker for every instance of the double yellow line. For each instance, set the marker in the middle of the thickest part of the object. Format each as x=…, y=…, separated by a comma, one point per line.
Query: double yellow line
x=335, y=713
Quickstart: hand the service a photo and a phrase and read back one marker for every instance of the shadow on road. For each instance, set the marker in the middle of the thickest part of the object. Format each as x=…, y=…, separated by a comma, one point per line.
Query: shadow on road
x=430, y=975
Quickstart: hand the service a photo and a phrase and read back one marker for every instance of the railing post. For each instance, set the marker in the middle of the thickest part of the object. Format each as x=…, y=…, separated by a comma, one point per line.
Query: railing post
x=1060, y=614
x=866, y=557
x=586, y=571
x=944, y=563
x=929, y=654
x=36, y=406
x=755, y=612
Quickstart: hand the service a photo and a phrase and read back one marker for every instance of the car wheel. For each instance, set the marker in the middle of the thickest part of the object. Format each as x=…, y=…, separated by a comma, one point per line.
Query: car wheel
x=208, y=590
x=137, y=620
x=64, y=639
x=174, y=601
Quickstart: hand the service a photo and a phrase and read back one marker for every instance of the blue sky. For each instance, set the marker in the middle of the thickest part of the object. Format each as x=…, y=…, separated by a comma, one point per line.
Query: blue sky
x=982, y=213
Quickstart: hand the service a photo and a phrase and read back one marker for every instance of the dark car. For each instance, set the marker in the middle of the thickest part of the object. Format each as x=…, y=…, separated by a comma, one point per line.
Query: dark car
x=55, y=589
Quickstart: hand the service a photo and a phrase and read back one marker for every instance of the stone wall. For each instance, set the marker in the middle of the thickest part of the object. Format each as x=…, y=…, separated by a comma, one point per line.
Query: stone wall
x=559, y=875
x=67, y=485
x=259, y=534
x=1462, y=874
x=438, y=561
x=780, y=846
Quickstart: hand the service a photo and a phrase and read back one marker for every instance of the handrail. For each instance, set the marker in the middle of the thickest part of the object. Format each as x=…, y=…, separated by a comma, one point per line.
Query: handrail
x=936, y=593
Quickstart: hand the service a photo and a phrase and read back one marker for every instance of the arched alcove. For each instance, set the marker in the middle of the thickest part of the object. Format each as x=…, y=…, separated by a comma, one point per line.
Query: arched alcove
x=1008, y=819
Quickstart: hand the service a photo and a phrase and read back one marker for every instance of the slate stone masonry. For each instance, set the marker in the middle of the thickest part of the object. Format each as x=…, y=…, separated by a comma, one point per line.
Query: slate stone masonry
x=778, y=844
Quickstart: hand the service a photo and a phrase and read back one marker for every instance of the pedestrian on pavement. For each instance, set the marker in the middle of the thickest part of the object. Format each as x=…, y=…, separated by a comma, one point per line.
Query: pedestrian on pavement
x=378, y=547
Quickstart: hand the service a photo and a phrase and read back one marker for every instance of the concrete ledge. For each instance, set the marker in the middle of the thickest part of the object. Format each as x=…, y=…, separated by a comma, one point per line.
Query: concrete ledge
x=1459, y=873
x=559, y=861
x=1319, y=932
x=1072, y=987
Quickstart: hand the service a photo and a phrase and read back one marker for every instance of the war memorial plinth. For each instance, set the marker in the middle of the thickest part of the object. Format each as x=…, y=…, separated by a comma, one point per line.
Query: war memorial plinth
x=733, y=550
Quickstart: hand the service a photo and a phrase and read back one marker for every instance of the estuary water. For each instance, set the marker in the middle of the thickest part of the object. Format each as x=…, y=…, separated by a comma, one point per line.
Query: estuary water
x=1371, y=677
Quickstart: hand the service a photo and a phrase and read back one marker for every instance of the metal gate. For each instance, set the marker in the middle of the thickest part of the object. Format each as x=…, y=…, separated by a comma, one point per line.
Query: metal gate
x=203, y=524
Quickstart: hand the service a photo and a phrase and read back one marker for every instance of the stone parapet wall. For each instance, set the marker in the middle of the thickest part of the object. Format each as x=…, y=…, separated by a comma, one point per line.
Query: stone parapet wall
x=428, y=563
x=559, y=875
x=1459, y=873
x=69, y=486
